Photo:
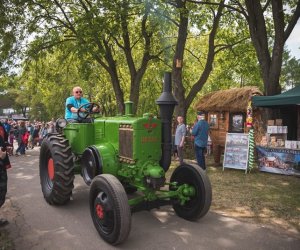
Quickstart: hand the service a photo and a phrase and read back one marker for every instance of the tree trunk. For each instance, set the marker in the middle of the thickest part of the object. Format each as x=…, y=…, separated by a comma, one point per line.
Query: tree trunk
x=179, y=90
x=23, y=110
x=118, y=92
x=185, y=102
x=112, y=70
x=135, y=86
x=270, y=65
x=136, y=75
x=209, y=60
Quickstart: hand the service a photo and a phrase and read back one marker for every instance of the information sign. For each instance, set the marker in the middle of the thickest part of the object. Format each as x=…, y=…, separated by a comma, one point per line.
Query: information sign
x=236, y=151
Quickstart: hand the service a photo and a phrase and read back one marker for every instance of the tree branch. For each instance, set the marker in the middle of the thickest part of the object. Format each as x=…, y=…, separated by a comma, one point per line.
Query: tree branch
x=226, y=46
x=292, y=23
x=266, y=5
x=66, y=17
x=241, y=11
x=167, y=17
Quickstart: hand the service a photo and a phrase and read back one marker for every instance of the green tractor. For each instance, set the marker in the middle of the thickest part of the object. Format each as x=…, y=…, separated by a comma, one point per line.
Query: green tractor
x=118, y=156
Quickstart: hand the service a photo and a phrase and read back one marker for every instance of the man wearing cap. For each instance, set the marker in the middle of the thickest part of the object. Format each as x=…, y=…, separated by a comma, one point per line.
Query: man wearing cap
x=200, y=132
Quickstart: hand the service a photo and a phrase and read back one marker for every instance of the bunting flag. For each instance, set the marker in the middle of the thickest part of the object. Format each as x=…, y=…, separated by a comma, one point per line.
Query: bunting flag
x=251, y=150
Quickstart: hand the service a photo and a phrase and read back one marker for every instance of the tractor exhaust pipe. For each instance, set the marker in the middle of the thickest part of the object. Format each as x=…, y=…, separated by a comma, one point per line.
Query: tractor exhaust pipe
x=166, y=103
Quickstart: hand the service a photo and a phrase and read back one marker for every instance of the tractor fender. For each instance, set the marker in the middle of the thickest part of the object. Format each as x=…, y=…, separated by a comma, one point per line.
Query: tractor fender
x=91, y=164
x=109, y=160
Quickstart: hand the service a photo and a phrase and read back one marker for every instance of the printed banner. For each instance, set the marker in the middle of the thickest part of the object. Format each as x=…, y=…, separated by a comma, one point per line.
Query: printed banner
x=236, y=151
x=279, y=160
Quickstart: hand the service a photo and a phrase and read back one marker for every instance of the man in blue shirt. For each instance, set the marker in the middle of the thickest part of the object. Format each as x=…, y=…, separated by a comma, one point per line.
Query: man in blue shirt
x=200, y=132
x=73, y=103
x=7, y=126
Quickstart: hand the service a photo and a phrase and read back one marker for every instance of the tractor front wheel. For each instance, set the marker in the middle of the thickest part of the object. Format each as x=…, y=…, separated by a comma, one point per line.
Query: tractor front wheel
x=56, y=169
x=109, y=209
x=199, y=204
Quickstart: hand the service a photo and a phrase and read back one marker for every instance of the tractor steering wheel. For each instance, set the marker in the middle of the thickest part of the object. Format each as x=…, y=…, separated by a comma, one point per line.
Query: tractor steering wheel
x=88, y=110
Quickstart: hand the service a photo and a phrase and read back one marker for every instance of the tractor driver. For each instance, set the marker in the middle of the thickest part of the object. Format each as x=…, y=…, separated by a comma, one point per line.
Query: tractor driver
x=73, y=103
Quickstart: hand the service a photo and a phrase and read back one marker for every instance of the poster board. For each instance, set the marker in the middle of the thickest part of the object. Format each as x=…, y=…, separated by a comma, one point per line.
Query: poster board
x=236, y=151
x=279, y=160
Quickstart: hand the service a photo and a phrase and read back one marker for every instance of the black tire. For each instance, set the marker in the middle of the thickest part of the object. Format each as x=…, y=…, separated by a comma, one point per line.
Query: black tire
x=56, y=169
x=198, y=205
x=109, y=209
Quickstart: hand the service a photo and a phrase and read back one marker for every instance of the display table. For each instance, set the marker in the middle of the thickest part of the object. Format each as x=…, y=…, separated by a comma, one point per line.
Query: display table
x=279, y=160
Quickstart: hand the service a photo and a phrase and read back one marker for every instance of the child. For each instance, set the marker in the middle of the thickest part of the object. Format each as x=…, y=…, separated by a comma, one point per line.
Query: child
x=25, y=138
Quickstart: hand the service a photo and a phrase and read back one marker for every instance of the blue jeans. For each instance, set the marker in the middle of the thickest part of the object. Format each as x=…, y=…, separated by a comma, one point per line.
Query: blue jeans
x=199, y=151
x=21, y=149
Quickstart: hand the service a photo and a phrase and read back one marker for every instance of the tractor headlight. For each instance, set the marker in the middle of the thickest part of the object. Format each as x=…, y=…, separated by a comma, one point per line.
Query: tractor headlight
x=61, y=122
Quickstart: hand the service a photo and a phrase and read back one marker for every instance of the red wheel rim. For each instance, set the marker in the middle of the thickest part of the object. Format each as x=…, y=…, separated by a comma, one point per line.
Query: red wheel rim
x=99, y=211
x=51, y=169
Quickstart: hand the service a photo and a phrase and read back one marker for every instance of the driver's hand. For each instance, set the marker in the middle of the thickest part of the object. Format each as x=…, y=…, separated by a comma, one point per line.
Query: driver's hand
x=82, y=110
x=96, y=109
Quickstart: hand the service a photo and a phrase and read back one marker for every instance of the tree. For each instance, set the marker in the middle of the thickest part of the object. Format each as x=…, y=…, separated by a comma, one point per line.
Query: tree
x=270, y=24
x=12, y=96
x=290, y=72
x=186, y=99
x=107, y=31
x=119, y=50
x=20, y=101
x=11, y=33
x=269, y=35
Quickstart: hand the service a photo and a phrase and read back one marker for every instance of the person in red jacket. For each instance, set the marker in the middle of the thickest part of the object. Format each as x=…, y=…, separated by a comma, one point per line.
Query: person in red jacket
x=4, y=165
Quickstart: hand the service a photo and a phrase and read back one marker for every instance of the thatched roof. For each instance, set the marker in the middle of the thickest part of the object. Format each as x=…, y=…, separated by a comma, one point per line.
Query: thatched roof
x=233, y=100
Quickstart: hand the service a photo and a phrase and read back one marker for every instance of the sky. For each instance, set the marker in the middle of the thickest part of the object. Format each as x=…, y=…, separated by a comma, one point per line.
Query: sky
x=293, y=42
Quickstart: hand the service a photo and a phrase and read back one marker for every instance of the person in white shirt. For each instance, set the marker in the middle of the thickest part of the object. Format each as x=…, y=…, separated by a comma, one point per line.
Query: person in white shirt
x=179, y=138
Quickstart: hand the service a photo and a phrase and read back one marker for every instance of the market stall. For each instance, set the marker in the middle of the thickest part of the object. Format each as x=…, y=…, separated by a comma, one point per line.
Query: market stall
x=279, y=149
x=226, y=112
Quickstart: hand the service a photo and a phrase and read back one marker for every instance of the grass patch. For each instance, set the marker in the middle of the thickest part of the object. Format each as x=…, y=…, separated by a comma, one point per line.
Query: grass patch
x=257, y=196
x=5, y=241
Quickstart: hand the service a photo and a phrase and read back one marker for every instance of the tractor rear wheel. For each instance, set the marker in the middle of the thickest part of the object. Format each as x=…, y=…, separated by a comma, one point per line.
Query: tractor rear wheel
x=56, y=169
x=109, y=209
x=199, y=204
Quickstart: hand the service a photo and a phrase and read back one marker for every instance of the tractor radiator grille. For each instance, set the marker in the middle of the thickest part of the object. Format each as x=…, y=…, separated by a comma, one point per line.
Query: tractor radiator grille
x=126, y=141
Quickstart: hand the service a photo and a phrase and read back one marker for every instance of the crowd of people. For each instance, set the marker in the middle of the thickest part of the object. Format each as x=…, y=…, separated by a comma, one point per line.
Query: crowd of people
x=27, y=134
x=31, y=134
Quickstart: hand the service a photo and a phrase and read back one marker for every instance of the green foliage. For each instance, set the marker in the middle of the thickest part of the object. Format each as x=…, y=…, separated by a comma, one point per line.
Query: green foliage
x=12, y=33
x=290, y=76
x=48, y=81
x=80, y=43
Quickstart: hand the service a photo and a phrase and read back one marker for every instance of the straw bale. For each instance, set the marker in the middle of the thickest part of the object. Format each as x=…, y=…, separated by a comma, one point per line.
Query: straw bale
x=232, y=100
